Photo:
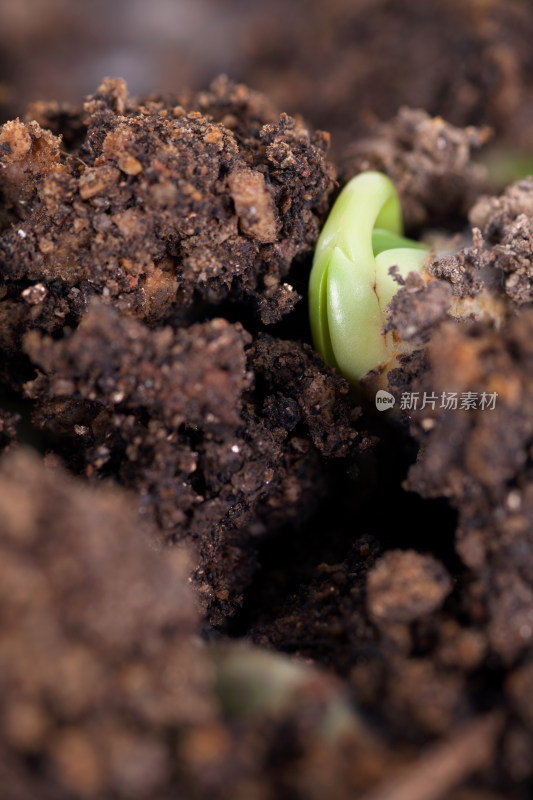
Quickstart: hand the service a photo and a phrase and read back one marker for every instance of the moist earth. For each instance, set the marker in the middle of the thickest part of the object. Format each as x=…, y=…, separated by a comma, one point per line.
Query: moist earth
x=203, y=477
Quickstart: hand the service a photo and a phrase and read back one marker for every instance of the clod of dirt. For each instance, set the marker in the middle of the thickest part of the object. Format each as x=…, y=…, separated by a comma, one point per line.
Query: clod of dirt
x=417, y=308
x=499, y=257
x=158, y=207
x=97, y=647
x=429, y=162
x=106, y=691
x=169, y=213
x=404, y=586
x=172, y=415
x=506, y=225
x=9, y=421
x=478, y=457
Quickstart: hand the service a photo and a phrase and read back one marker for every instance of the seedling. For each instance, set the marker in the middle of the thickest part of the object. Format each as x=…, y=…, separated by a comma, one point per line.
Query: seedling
x=350, y=286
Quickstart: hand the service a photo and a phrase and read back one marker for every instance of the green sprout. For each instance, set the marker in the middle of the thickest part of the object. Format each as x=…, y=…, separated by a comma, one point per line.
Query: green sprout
x=350, y=286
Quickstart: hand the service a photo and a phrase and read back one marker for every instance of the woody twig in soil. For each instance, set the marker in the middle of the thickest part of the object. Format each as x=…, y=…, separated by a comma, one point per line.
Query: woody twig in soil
x=445, y=765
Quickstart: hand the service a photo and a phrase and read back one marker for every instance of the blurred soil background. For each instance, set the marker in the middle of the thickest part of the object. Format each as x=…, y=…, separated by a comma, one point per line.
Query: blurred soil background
x=339, y=63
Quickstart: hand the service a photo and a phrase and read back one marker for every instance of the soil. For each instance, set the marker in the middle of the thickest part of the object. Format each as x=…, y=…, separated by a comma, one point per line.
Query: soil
x=223, y=574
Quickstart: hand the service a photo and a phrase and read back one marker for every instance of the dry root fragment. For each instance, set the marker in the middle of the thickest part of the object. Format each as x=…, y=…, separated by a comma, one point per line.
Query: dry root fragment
x=445, y=765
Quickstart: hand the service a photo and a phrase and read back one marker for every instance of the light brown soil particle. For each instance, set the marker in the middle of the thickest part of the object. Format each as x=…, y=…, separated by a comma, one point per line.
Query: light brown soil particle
x=404, y=586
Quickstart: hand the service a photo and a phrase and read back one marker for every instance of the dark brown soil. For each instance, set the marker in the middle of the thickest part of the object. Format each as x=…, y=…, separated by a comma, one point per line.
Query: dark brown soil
x=222, y=575
x=161, y=217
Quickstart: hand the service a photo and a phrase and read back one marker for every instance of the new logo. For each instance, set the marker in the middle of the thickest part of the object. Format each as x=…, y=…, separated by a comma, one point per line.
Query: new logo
x=384, y=400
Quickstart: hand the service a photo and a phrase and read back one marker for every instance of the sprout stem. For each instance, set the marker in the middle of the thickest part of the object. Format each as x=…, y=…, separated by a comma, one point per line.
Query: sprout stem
x=350, y=286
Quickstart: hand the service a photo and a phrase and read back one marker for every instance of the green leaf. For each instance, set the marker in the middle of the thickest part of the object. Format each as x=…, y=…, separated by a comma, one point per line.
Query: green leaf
x=349, y=285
